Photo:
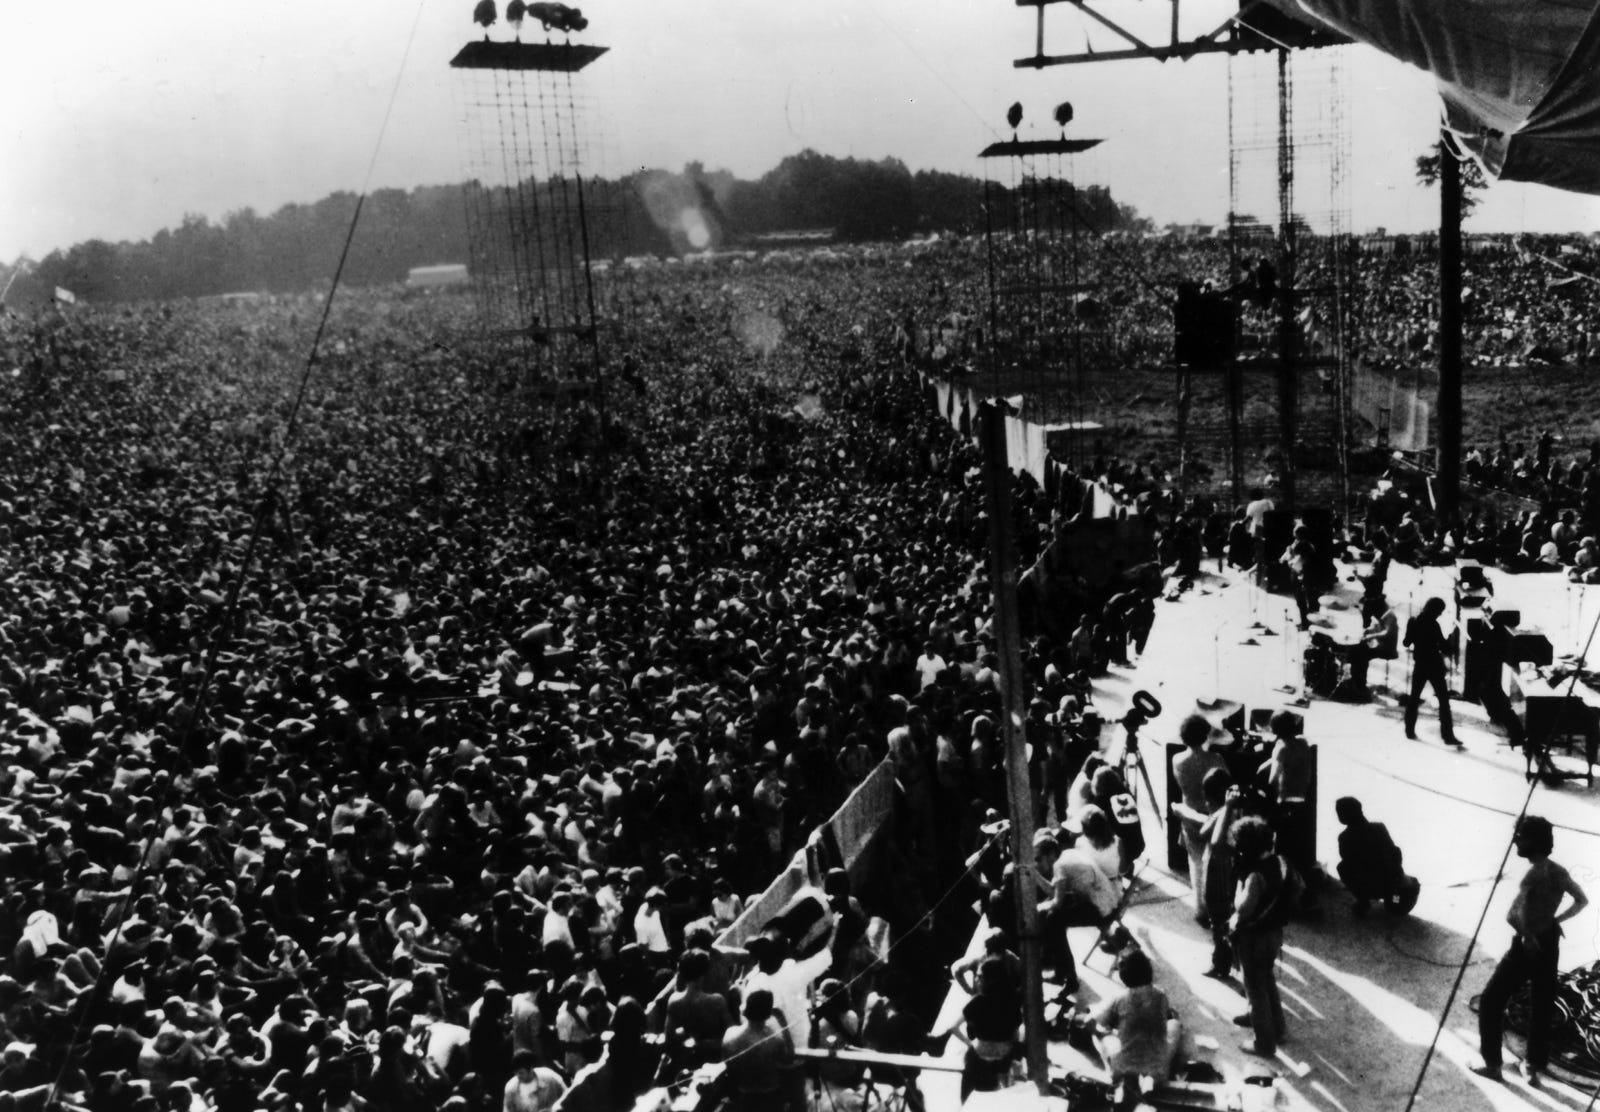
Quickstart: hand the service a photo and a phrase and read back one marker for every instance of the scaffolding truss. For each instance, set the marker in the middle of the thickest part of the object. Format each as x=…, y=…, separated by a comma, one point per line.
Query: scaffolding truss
x=546, y=229
x=1046, y=321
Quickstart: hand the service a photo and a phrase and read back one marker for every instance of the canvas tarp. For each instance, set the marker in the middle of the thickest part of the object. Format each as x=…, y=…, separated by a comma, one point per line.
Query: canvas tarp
x=1520, y=79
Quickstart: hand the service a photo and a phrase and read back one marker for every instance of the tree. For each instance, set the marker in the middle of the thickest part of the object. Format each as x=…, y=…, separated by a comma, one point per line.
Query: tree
x=1472, y=180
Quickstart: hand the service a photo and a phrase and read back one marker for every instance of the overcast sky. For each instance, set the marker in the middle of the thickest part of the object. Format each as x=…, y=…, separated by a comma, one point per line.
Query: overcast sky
x=119, y=118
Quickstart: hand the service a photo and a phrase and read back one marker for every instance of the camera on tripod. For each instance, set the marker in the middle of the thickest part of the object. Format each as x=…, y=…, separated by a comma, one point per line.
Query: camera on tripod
x=1145, y=707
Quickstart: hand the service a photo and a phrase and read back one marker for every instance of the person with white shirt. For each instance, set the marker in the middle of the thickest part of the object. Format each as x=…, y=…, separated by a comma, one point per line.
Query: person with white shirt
x=789, y=979
x=928, y=666
x=557, y=919
x=649, y=929
x=532, y=1088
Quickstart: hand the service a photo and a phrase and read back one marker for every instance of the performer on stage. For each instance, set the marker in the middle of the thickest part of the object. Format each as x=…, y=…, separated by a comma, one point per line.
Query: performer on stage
x=1535, y=952
x=1427, y=644
x=1379, y=640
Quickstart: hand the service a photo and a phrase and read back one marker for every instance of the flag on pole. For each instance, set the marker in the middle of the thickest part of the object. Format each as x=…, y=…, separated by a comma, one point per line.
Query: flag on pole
x=66, y=296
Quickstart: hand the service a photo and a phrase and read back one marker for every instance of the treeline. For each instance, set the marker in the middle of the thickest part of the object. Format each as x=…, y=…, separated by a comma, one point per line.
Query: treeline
x=298, y=247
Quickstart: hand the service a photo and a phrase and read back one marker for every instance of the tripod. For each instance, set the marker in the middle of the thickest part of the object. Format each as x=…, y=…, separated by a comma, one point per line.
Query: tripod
x=1133, y=759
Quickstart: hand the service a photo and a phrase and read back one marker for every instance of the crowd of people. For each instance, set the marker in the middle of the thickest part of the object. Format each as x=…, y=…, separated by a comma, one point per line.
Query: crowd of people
x=407, y=774
x=408, y=746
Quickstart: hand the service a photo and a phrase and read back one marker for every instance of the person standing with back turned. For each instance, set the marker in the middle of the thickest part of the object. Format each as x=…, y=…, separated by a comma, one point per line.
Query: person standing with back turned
x=1535, y=952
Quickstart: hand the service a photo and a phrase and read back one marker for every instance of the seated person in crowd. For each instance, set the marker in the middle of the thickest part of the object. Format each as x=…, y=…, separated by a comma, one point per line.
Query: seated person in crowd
x=1370, y=864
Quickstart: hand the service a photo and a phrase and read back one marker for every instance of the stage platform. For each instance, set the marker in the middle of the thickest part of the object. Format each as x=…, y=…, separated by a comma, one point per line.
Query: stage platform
x=1363, y=995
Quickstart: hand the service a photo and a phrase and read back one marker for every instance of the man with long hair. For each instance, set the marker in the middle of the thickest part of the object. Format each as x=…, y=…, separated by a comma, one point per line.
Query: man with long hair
x=1536, y=916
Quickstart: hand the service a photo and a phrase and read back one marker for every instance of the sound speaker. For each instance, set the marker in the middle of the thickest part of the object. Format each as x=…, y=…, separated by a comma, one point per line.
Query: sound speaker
x=1533, y=648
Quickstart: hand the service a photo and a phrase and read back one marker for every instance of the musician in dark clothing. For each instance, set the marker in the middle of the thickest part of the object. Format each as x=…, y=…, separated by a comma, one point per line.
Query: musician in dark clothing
x=1427, y=644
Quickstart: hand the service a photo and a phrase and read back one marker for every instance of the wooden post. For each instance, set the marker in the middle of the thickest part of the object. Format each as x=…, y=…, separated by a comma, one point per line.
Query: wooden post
x=1003, y=578
x=1448, y=459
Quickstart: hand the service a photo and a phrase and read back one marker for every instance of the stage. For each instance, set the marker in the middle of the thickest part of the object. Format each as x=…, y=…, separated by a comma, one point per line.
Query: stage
x=1363, y=995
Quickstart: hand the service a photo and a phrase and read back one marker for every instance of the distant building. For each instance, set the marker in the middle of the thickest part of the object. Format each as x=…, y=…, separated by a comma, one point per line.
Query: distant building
x=427, y=277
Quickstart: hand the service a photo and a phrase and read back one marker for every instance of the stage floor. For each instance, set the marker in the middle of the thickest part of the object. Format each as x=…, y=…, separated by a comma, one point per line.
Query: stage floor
x=1363, y=996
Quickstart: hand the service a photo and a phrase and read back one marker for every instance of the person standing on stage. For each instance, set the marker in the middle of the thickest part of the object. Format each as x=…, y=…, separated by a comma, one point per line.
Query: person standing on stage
x=1255, y=517
x=1189, y=769
x=1535, y=951
x=1426, y=641
x=1268, y=891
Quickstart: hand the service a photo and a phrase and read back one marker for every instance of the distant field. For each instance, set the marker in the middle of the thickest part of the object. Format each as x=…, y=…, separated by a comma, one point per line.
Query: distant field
x=1138, y=410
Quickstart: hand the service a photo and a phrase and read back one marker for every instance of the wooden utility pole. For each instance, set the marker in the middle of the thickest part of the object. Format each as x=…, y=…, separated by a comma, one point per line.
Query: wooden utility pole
x=1448, y=462
x=1008, y=635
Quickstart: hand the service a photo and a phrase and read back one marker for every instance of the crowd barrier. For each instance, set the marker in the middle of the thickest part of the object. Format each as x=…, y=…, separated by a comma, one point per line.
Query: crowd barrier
x=845, y=840
x=1027, y=443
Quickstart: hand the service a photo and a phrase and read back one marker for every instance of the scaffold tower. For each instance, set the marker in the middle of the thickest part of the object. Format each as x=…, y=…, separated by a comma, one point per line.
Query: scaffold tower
x=545, y=228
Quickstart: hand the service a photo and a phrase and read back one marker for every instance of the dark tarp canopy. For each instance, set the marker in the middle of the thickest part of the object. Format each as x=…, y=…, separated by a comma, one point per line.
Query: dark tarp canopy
x=1520, y=79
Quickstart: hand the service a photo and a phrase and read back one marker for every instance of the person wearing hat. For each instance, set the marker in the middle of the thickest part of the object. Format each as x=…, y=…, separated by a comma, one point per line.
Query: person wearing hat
x=1189, y=770
x=1534, y=957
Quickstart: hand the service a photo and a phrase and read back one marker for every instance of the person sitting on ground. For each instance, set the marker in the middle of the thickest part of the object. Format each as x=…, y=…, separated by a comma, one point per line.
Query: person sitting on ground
x=1137, y=1032
x=1370, y=864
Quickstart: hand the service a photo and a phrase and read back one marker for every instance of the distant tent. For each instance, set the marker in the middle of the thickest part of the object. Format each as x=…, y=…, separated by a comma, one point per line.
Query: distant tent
x=1520, y=78
x=427, y=277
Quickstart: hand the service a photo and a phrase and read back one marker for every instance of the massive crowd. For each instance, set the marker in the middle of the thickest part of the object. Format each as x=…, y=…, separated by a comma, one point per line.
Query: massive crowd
x=410, y=773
